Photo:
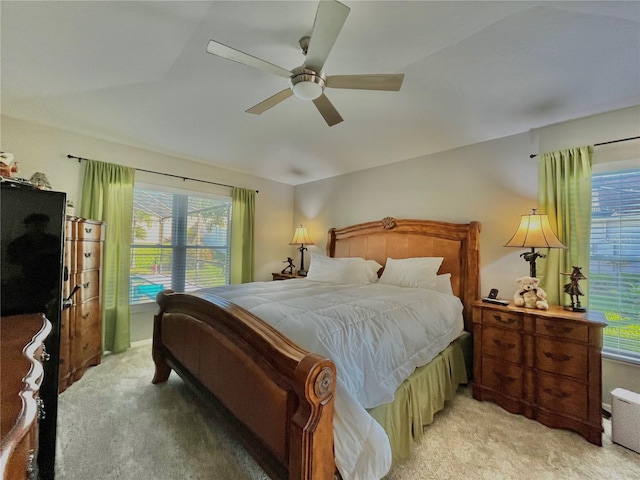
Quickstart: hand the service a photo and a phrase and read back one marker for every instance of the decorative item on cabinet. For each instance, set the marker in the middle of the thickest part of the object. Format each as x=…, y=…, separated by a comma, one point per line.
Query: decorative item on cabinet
x=574, y=291
x=81, y=330
x=22, y=355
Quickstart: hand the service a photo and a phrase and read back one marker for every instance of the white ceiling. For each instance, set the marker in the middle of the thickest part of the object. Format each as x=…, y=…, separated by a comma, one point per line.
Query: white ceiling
x=138, y=73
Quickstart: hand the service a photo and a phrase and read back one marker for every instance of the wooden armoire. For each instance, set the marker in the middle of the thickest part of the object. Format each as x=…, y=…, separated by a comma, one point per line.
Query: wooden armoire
x=81, y=329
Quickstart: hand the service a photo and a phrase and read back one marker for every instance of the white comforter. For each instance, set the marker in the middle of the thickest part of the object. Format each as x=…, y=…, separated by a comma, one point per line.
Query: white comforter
x=375, y=334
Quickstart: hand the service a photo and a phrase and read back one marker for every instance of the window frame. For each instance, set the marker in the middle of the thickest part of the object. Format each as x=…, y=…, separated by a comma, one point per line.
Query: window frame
x=179, y=247
x=626, y=356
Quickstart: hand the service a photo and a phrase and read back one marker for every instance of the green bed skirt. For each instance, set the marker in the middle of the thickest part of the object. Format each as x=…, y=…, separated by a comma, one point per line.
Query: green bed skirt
x=422, y=395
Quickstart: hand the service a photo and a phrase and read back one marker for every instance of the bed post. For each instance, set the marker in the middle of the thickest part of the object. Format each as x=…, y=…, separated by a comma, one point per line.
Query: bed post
x=312, y=453
x=163, y=370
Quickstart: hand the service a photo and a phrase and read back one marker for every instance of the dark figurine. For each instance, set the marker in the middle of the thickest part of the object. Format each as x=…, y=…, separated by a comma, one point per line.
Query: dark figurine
x=288, y=268
x=573, y=289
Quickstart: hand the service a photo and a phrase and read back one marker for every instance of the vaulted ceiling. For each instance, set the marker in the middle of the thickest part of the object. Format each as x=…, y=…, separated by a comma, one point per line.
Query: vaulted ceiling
x=138, y=73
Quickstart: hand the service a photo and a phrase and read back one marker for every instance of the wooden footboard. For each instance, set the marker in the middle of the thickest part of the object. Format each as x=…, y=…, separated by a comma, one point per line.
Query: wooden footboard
x=279, y=397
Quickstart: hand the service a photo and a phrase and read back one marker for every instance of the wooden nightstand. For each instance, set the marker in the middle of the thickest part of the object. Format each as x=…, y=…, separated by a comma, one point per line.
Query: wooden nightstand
x=543, y=364
x=285, y=276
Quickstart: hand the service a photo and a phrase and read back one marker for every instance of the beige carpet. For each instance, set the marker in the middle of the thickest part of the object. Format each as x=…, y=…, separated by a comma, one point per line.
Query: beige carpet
x=114, y=424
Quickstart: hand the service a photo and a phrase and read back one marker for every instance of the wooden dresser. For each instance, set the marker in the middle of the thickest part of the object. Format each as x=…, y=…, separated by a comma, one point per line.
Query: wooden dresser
x=544, y=364
x=21, y=372
x=81, y=330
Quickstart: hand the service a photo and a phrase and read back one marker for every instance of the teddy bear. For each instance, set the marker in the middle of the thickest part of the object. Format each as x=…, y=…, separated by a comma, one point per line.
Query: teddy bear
x=530, y=295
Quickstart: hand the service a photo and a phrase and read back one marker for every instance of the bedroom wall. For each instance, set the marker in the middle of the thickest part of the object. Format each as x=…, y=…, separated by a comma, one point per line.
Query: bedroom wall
x=42, y=148
x=492, y=182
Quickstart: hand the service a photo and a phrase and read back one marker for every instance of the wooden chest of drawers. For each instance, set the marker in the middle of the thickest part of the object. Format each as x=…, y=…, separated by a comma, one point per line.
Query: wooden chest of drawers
x=21, y=374
x=544, y=364
x=81, y=330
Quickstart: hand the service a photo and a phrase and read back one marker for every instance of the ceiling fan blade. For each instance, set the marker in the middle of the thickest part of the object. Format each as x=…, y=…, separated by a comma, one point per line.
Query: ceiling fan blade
x=327, y=110
x=390, y=82
x=221, y=50
x=330, y=18
x=270, y=102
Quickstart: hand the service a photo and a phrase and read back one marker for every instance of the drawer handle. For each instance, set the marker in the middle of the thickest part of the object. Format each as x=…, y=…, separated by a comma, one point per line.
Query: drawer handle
x=87, y=254
x=86, y=285
x=44, y=356
x=505, y=346
x=509, y=320
x=504, y=378
x=32, y=473
x=41, y=412
x=556, y=328
x=85, y=316
x=560, y=357
x=87, y=229
x=560, y=394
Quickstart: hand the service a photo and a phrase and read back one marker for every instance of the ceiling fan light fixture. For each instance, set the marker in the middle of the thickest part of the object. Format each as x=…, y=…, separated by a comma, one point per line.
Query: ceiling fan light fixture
x=307, y=85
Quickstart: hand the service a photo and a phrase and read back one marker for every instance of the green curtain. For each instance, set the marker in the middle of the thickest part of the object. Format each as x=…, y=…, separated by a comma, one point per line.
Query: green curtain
x=564, y=194
x=107, y=194
x=243, y=212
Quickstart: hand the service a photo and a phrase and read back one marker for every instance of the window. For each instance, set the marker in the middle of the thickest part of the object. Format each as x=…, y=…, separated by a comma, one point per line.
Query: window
x=180, y=241
x=614, y=279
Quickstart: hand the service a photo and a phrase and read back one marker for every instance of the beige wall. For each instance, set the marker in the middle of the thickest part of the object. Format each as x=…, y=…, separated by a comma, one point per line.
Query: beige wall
x=493, y=182
x=45, y=149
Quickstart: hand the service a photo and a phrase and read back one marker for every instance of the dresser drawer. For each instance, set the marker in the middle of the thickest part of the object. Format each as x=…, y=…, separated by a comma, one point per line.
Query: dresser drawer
x=560, y=329
x=88, y=316
x=504, y=319
x=89, y=231
x=505, y=344
x=504, y=377
x=90, y=283
x=88, y=256
x=562, y=358
x=563, y=396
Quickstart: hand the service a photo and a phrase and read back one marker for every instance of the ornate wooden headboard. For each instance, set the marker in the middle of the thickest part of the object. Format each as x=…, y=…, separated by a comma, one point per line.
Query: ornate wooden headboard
x=458, y=244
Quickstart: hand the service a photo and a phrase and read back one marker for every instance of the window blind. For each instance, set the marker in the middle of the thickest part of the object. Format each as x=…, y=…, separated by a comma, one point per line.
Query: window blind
x=179, y=242
x=614, y=278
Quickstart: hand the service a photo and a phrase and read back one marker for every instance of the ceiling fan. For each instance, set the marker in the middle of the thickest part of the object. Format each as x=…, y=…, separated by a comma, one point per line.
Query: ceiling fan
x=308, y=81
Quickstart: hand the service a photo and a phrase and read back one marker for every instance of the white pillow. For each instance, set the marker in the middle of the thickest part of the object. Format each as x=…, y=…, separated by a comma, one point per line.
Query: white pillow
x=373, y=268
x=417, y=272
x=443, y=284
x=338, y=270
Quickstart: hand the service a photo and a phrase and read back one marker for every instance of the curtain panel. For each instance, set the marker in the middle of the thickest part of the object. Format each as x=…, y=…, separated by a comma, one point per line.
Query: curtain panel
x=242, y=235
x=107, y=195
x=564, y=194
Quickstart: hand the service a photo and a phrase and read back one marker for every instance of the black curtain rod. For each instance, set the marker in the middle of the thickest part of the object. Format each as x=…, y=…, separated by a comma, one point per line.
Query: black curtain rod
x=534, y=155
x=168, y=174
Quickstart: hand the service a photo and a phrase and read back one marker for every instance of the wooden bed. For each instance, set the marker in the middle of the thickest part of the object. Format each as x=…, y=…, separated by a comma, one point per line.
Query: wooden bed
x=276, y=395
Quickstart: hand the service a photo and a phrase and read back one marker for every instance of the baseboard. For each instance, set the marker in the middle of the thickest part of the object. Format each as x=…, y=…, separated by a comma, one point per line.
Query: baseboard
x=140, y=343
x=606, y=410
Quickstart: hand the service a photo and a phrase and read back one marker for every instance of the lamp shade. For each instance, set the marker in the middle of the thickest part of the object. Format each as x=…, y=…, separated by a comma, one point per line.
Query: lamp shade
x=301, y=237
x=534, y=231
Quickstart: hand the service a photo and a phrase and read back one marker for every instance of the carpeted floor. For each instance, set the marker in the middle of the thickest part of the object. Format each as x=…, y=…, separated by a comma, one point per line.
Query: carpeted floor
x=115, y=425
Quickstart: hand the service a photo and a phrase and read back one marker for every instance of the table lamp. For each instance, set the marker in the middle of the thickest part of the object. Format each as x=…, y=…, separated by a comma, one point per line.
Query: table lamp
x=534, y=232
x=301, y=237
